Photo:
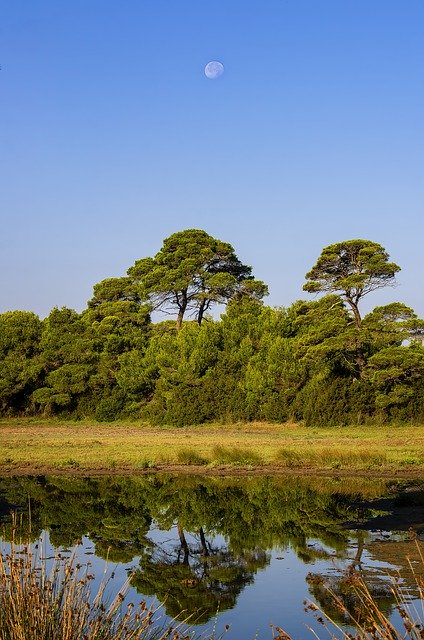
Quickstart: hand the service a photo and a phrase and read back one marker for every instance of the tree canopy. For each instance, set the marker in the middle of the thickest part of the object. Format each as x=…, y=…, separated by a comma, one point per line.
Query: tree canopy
x=315, y=361
x=191, y=272
x=352, y=268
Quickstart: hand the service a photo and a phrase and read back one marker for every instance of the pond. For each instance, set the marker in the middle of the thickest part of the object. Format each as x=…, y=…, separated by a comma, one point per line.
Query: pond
x=245, y=552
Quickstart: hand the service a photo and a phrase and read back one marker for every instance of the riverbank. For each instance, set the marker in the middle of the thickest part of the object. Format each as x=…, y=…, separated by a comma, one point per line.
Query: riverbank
x=35, y=446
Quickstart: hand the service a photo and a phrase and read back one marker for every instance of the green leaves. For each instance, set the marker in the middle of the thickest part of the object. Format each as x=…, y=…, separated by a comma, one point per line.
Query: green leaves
x=394, y=373
x=315, y=361
x=353, y=269
x=20, y=334
x=192, y=272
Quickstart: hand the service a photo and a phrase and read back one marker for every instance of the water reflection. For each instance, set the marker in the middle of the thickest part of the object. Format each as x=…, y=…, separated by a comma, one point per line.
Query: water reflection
x=197, y=543
x=197, y=574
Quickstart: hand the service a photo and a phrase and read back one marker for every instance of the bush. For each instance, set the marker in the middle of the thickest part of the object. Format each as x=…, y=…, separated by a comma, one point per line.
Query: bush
x=110, y=408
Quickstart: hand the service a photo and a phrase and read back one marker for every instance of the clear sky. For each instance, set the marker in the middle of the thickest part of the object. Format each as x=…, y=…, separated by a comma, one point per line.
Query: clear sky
x=112, y=138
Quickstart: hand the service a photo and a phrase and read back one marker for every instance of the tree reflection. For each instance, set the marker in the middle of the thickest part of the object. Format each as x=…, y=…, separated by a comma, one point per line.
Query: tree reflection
x=196, y=579
x=340, y=593
x=394, y=521
x=109, y=511
x=221, y=529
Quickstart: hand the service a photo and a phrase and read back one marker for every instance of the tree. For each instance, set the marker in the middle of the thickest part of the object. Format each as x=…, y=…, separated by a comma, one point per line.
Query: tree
x=179, y=369
x=114, y=290
x=396, y=374
x=68, y=359
x=20, y=334
x=192, y=272
x=353, y=269
x=120, y=321
x=391, y=324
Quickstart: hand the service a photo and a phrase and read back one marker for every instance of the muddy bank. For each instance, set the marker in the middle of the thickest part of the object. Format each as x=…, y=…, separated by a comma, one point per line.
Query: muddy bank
x=29, y=469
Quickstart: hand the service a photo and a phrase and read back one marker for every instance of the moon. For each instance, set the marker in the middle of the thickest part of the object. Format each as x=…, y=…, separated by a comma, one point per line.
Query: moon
x=214, y=69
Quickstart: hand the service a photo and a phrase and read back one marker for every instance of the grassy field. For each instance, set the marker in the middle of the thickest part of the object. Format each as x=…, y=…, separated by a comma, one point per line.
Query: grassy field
x=36, y=445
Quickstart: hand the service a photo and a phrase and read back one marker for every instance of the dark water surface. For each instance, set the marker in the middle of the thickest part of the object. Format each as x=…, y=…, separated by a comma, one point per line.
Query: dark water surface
x=246, y=552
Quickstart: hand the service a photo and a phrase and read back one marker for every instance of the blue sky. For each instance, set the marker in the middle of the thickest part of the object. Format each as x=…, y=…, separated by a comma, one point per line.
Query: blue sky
x=112, y=138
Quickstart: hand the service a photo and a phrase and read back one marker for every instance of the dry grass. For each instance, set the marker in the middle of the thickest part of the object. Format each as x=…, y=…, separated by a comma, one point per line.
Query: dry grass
x=89, y=446
x=336, y=457
x=36, y=604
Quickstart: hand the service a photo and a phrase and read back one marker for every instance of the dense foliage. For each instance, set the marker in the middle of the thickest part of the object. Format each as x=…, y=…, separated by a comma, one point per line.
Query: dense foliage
x=319, y=361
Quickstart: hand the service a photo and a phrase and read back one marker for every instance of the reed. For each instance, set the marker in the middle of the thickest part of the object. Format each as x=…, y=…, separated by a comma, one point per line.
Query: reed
x=58, y=604
x=37, y=603
x=359, y=607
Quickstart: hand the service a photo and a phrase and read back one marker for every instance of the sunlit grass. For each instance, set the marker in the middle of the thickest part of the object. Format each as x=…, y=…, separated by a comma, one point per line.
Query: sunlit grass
x=235, y=456
x=50, y=444
x=331, y=457
x=189, y=456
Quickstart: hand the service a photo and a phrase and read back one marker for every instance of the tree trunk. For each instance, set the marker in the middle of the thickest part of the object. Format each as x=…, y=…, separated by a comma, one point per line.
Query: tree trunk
x=360, y=361
x=203, y=542
x=355, y=311
x=201, y=312
x=359, y=358
x=181, y=311
x=183, y=541
x=180, y=317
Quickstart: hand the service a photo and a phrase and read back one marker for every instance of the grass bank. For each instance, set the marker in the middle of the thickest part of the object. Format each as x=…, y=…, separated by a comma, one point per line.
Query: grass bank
x=35, y=445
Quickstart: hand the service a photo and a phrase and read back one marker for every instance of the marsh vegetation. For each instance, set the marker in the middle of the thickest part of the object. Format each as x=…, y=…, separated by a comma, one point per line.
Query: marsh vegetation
x=31, y=445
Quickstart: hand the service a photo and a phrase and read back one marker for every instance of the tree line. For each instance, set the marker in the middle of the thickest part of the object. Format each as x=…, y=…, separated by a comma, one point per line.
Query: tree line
x=320, y=361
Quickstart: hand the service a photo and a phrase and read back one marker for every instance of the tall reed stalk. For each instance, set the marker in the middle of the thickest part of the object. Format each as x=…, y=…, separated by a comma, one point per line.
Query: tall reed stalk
x=57, y=604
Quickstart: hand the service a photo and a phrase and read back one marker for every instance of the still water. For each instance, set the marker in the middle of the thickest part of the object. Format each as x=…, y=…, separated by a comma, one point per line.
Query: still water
x=244, y=552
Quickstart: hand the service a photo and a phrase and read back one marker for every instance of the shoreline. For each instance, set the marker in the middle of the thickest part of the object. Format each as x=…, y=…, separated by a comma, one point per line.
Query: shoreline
x=31, y=469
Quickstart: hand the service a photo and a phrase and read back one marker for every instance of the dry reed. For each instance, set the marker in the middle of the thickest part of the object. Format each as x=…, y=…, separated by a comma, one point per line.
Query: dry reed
x=360, y=610
x=57, y=604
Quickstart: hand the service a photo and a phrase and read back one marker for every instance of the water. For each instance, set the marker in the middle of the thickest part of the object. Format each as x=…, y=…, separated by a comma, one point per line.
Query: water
x=243, y=552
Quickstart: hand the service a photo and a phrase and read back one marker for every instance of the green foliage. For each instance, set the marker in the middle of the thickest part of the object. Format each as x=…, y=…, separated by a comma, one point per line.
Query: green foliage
x=396, y=374
x=353, y=268
x=330, y=401
x=390, y=325
x=192, y=272
x=20, y=332
x=317, y=361
x=68, y=359
x=180, y=365
x=110, y=407
x=20, y=370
